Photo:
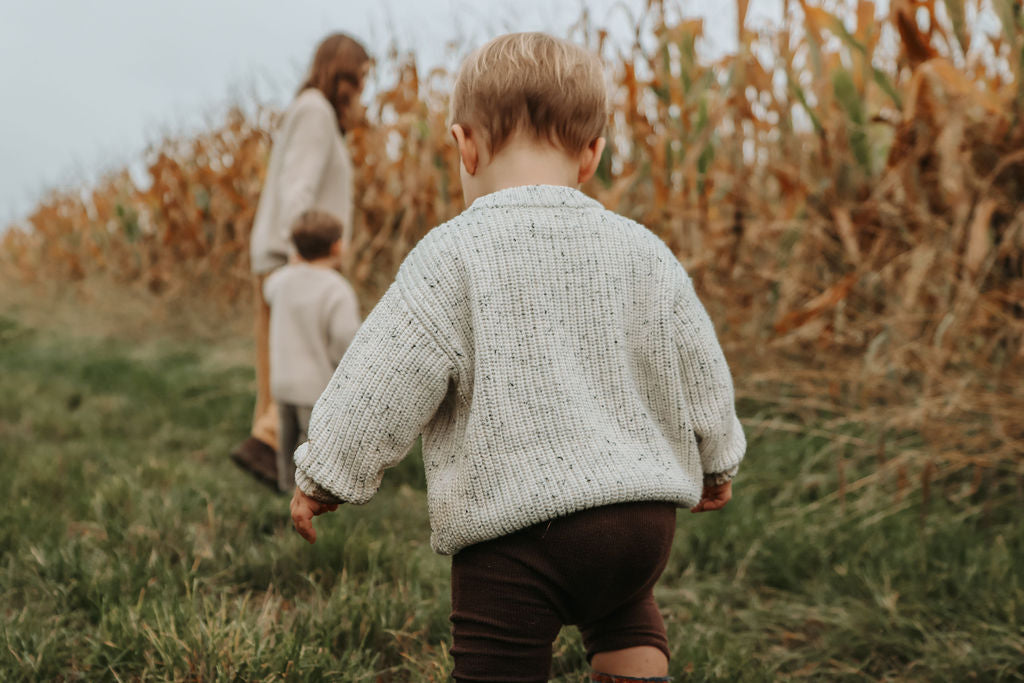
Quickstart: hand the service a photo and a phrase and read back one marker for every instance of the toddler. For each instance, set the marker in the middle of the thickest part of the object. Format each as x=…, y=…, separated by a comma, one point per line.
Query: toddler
x=314, y=314
x=566, y=380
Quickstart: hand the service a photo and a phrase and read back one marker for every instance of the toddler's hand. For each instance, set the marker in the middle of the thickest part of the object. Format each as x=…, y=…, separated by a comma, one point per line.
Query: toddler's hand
x=714, y=498
x=304, y=509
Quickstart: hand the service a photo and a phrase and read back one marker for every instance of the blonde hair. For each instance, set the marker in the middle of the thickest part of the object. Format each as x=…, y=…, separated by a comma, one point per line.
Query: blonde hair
x=314, y=233
x=535, y=83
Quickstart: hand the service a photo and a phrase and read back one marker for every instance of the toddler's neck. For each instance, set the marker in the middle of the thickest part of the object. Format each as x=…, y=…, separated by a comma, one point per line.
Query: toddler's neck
x=527, y=162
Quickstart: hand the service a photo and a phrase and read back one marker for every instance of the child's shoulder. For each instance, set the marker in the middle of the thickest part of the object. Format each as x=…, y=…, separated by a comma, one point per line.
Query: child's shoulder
x=440, y=243
x=636, y=231
x=339, y=283
x=634, y=239
x=301, y=275
x=328, y=276
x=287, y=272
x=275, y=280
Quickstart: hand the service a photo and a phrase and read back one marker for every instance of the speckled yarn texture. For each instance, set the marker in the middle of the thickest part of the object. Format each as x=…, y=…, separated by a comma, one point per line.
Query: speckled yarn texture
x=555, y=358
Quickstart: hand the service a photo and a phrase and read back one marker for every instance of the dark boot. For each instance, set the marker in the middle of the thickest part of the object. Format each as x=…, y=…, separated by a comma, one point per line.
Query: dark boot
x=258, y=459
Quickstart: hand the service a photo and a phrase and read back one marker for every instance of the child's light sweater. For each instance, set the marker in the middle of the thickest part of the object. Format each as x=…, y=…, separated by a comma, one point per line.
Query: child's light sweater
x=555, y=357
x=314, y=314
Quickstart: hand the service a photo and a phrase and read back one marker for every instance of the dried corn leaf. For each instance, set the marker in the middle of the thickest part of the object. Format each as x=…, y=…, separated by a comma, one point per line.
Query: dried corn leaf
x=847, y=233
x=818, y=305
x=979, y=240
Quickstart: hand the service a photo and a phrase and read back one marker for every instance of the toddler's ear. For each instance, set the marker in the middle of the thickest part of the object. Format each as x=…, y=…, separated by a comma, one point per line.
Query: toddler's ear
x=468, y=151
x=590, y=159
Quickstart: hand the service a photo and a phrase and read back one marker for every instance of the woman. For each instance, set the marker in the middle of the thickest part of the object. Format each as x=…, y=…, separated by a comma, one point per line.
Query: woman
x=309, y=168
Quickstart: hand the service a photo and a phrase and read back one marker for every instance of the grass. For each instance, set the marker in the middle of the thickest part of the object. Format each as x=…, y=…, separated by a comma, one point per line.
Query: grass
x=132, y=549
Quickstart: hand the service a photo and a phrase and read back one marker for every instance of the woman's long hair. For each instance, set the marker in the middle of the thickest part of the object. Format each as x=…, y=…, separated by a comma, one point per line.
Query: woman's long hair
x=337, y=71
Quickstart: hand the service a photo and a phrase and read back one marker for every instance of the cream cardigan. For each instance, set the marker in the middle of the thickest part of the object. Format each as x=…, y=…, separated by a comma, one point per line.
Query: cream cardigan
x=555, y=358
x=309, y=168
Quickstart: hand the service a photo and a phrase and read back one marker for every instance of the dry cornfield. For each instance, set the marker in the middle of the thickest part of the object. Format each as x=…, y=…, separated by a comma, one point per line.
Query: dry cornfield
x=845, y=190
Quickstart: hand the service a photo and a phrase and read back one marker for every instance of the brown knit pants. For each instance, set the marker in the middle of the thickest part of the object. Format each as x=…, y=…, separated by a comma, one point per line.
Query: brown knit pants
x=595, y=569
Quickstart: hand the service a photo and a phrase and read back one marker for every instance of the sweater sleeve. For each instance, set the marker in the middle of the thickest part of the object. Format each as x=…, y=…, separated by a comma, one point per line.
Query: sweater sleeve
x=383, y=393
x=708, y=386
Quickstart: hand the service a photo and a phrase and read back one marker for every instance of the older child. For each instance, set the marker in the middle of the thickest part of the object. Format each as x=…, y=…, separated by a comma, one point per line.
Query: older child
x=566, y=380
x=314, y=314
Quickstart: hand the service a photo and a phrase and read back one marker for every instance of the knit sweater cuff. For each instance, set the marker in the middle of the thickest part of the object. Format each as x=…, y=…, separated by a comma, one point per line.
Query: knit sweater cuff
x=314, y=490
x=720, y=478
x=724, y=452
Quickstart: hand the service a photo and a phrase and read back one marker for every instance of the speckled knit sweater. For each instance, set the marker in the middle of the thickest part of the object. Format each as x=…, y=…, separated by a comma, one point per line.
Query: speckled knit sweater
x=553, y=355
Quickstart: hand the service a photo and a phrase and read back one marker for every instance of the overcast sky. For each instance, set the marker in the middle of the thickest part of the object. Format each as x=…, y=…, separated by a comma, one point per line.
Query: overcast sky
x=86, y=84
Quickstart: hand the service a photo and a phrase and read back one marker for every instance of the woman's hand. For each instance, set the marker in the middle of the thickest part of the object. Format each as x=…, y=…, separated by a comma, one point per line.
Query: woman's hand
x=714, y=498
x=304, y=509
